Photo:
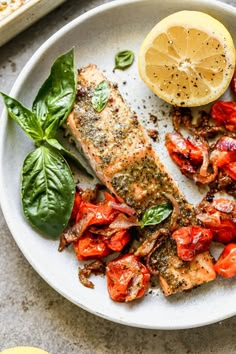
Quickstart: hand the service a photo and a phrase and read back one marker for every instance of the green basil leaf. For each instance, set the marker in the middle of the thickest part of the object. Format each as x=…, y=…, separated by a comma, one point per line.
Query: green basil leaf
x=25, y=118
x=47, y=190
x=55, y=143
x=101, y=96
x=124, y=59
x=56, y=97
x=156, y=214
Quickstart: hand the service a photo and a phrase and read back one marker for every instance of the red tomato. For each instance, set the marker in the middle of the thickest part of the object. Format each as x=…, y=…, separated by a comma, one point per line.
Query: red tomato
x=226, y=233
x=219, y=216
x=192, y=240
x=102, y=213
x=118, y=241
x=76, y=206
x=224, y=151
x=186, y=154
x=127, y=278
x=230, y=170
x=226, y=264
x=90, y=247
x=108, y=197
x=224, y=114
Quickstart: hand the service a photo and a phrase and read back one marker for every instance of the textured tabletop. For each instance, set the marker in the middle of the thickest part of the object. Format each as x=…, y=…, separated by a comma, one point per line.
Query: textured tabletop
x=31, y=312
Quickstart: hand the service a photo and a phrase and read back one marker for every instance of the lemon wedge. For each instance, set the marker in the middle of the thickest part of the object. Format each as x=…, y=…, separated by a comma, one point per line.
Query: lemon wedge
x=188, y=59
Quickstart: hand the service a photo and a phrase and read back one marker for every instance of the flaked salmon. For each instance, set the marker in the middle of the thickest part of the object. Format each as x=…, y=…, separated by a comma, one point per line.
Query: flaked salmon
x=123, y=158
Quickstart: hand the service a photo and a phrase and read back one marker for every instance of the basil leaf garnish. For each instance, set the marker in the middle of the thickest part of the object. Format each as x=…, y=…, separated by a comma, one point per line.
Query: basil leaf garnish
x=55, y=143
x=47, y=190
x=56, y=97
x=124, y=59
x=26, y=119
x=101, y=96
x=156, y=214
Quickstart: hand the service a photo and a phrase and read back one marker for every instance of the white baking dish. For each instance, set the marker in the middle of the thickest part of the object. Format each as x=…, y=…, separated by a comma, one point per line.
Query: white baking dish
x=29, y=12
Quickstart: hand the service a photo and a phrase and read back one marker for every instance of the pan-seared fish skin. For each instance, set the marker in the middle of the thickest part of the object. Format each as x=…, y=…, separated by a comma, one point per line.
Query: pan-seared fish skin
x=123, y=158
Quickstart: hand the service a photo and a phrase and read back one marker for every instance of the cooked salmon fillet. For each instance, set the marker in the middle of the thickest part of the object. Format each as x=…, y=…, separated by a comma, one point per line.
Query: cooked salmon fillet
x=123, y=158
x=177, y=275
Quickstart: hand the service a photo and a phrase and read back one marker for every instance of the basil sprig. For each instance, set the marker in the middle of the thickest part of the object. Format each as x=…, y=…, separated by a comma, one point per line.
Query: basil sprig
x=156, y=214
x=124, y=59
x=24, y=117
x=101, y=96
x=56, y=96
x=47, y=184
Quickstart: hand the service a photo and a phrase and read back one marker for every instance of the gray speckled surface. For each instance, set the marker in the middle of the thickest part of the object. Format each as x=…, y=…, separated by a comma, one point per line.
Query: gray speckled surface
x=31, y=313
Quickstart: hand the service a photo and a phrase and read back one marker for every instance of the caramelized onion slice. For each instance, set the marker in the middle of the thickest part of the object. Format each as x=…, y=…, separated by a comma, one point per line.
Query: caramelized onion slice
x=96, y=267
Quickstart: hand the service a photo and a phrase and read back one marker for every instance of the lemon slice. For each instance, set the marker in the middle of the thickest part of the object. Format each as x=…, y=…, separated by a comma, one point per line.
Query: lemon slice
x=187, y=59
x=24, y=350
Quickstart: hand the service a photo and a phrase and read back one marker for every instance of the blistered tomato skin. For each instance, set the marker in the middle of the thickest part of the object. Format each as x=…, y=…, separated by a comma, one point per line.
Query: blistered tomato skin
x=91, y=247
x=224, y=114
x=76, y=206
x=226, y=264
x=185, y=153
x=117, y=242
x=220, y=217
x=191, y=240
x=127, y=278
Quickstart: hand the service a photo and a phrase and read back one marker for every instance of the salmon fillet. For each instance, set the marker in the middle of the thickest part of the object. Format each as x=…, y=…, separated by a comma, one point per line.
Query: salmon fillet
x=123, y=158
x=177, y=275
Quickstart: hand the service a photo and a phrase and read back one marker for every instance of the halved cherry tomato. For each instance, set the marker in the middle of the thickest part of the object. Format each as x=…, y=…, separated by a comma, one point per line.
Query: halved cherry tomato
x=102, y=213
x=192, y=240
x=127, y=278
x=117, y=241
x=224, y=114
x=224, y=151
x=76, y=206
x=226, y=264
x=91, y=247
x=230, y=170
x=219, y=216
x=185, y=153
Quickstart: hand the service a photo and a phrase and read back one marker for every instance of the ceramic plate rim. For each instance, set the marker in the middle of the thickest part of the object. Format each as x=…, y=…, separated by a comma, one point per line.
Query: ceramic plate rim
x=3, y=200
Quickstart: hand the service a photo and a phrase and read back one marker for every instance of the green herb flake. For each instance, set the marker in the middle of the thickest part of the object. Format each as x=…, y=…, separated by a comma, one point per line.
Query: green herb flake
x=156, y=214
x=124, y=59
x=101, y=96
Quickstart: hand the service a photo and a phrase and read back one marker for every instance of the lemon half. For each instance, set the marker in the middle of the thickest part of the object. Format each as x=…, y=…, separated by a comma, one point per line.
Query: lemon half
x=188, y=59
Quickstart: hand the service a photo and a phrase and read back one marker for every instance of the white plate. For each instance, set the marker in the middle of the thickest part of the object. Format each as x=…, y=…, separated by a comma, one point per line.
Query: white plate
x=97, y=36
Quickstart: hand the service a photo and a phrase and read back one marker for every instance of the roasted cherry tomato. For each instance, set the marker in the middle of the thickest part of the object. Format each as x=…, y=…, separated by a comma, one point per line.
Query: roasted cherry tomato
x=186, y=154
x=91, y=247
x=226, y=264
x=127, y=278
x=76, y=206
x=224, y=114
x=101, y=213
x=117, y=241
x=220, y=217
x=224, y=151
x=230, y=170
x=192, y=240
